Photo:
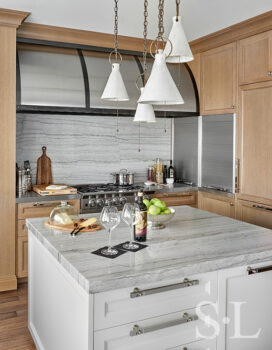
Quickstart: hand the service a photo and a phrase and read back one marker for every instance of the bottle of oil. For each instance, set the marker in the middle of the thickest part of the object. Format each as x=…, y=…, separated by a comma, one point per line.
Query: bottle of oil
x=141, y=226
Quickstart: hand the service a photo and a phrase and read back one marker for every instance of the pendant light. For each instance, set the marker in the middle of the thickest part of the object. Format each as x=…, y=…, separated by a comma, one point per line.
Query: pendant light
x=181, y=51
x=160, y=88
x=144, y=112
x=115, y=89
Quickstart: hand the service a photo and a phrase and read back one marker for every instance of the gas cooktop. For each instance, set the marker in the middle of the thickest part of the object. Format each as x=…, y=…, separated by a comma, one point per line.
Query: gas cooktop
x=106, y=188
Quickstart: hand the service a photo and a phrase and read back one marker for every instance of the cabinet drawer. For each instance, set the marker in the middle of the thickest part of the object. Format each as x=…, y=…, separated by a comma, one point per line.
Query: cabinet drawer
x=21, y=228
x=255, y=213
x=175, y=199
x=199, y=345
x=22, y=256
x=159, y=333
x=41, y=209
x=123, y=306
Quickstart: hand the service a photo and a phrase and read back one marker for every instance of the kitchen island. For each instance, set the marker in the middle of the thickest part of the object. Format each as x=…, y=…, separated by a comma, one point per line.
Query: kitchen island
x=148, y=299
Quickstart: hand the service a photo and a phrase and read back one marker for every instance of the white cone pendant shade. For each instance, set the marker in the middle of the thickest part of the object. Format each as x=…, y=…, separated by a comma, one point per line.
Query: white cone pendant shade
x=144, y=112
x=181, y=51
x=160, y=88
x=115, y=89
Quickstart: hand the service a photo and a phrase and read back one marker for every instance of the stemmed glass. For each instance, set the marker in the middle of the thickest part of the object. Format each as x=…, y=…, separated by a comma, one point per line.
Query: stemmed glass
x=110, y=219
x=131, y=216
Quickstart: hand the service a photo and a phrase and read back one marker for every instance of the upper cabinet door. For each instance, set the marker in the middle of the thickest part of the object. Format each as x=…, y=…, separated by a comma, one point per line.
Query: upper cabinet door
x=255, y=58
x=255, y=142
x=218, y=80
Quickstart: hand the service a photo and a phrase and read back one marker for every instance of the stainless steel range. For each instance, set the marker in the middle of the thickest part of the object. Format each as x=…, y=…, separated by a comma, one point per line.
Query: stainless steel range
x=96, y=196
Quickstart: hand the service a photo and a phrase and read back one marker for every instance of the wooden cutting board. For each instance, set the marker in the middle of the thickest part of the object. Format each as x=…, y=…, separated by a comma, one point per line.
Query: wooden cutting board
x=44, y=171
x=42, y=191
x=70, y=227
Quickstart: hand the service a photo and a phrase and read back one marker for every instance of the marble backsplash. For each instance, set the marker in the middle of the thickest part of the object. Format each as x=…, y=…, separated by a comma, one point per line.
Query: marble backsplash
x=87, y=149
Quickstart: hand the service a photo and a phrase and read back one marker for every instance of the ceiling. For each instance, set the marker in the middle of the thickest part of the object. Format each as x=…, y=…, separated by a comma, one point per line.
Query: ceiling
x=200, y=17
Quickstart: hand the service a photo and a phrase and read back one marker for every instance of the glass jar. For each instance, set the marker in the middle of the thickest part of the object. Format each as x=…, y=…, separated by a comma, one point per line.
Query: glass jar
x=151, y=173
x=159, y=177
x=158, y=166
x=63, y=214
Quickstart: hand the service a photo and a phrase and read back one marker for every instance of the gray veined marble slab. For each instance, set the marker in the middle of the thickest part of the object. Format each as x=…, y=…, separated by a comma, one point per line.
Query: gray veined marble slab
x=195, y=241
x=86, y=149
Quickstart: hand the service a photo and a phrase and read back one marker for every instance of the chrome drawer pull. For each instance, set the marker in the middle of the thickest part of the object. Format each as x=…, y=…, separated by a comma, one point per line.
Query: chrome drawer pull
x=252, y=271
x=137, y=330
x=140, y=293
x=261, y=207
x=43, y=205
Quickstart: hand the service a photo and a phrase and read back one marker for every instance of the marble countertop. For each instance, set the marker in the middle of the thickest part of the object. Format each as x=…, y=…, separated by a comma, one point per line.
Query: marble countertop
x=194, y=241
x=35, y=197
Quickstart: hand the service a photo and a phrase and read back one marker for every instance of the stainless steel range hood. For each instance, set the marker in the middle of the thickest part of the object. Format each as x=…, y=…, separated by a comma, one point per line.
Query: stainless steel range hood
x=53, y=79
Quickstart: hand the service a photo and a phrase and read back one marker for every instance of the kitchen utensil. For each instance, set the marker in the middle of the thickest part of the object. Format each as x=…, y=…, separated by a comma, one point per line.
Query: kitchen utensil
x=156, y=222
x=123, y=177
x=43, y=190
x=110, y=219
x=44, y=171
x=130, y=179
x=131, y=216
x=75, y=232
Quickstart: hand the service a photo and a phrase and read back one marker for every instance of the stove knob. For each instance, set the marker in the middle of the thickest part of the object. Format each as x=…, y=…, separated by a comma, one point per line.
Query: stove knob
x=92, y=202
x=100, y=202
x=108, y=202
x=123, y=200
x=115, y=200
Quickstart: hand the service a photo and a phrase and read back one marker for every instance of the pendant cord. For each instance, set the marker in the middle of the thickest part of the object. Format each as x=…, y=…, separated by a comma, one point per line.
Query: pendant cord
x=145, y=39
x=117, y=120
x=160, y=16
x=165, y=122
x=116, y=27
x=177, y=9
x=139, y=143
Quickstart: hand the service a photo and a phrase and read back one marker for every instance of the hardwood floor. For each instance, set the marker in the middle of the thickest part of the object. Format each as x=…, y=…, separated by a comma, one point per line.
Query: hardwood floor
x=14, y=334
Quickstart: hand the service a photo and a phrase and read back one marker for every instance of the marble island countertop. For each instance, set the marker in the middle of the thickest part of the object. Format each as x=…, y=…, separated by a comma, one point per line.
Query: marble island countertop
x=194, y=242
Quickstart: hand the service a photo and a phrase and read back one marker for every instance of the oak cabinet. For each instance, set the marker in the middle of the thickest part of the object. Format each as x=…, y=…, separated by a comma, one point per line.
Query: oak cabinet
x=219, y=80
x=255, y=213
x=22, y=260
x=217, y=204
x=31, y=210
x=178, y=198
x=255, y=58
x=255, y=142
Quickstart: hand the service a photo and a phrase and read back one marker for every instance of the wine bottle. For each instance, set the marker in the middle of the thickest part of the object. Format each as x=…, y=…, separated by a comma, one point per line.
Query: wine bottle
x=141, y=226
x=171, y=171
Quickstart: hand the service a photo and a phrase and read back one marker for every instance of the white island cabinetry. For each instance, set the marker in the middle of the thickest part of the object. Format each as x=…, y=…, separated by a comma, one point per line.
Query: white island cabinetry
x=150, y=300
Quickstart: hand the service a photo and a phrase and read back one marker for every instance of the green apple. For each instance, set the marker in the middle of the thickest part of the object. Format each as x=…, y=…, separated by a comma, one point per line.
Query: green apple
x=167, y=211
x=154, y=210
x=160, y=204
x=147, y=203
x=154, y=200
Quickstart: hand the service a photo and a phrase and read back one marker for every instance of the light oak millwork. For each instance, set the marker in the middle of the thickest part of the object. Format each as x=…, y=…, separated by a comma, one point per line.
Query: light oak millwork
x=9, y=21
x=178, y=198
x=219, y=80
x=255, y=58
x=245, y=29
x=80, y=37
x=217, y=204
x=32, y=210
x=255, y=213
x=255, y=141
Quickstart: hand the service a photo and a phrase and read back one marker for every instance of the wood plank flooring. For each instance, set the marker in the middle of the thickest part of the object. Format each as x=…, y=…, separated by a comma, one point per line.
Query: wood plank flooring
x=14, y=333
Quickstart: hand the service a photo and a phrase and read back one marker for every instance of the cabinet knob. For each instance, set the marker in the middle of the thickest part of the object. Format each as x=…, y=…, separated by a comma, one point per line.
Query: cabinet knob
x=233, y=107
x=231, y=204
x=269, y=73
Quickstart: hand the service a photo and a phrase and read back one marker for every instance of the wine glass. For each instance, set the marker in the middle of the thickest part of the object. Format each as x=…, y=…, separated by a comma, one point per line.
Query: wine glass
x=110, y=219
x=131, y=215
